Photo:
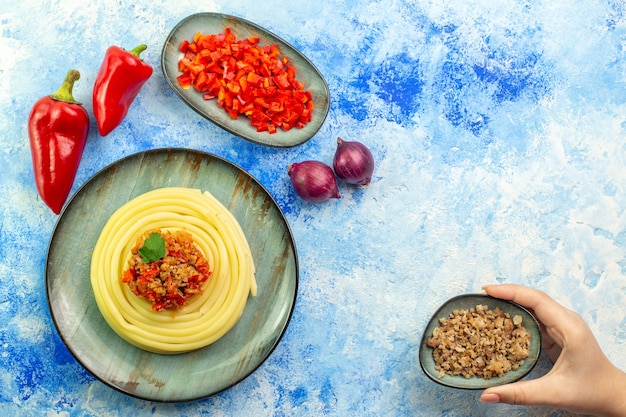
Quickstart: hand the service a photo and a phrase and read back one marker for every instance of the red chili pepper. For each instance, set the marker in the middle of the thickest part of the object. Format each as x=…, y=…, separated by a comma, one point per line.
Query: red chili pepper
x=119, y=80
x=57, y=129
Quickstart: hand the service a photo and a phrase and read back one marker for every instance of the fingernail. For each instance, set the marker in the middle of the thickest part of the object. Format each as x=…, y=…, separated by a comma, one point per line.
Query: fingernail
x=488, y=285
x=490, y=398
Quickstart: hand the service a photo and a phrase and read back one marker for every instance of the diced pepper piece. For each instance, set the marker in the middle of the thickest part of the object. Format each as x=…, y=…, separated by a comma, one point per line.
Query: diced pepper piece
x=184, y=80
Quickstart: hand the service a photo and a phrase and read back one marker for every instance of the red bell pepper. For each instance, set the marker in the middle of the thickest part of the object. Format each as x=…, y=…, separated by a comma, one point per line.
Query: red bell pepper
x=57, y=129
x=118, y=82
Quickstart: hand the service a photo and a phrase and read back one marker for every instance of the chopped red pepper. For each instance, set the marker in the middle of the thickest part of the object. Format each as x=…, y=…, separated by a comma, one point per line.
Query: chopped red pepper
x=246, y=79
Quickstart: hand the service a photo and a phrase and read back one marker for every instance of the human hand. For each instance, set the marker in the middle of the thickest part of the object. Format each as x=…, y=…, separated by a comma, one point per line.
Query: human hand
x=582, y=379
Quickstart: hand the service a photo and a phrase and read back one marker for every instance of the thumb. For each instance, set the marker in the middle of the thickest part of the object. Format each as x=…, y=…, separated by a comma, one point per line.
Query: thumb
x=535, y=392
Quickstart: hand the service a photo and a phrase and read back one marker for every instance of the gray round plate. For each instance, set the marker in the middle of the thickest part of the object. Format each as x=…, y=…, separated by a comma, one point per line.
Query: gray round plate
x=465, y=302
x=306, y=72
x=190, y=375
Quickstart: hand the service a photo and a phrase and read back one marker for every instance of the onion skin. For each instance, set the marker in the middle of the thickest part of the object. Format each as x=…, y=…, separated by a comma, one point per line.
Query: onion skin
x=313, y=181
x=353, y=163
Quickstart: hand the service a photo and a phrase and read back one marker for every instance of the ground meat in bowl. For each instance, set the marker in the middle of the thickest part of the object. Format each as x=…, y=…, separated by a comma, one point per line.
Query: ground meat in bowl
x=479, y=342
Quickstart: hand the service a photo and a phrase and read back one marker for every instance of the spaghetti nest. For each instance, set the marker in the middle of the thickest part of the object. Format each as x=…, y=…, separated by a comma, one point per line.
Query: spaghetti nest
x=205, y=317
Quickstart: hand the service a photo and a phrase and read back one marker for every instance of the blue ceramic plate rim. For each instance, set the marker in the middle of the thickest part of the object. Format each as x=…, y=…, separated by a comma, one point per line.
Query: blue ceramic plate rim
x=466, y=301
x=307, y=72
x=56, y=311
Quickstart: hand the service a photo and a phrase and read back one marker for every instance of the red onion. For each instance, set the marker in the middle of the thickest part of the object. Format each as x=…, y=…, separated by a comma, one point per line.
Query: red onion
x=313, y=181
x=353, y=163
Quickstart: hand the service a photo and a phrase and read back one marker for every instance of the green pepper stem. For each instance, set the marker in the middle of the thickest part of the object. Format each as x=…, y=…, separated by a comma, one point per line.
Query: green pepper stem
x=64, y=93
x=138, y=49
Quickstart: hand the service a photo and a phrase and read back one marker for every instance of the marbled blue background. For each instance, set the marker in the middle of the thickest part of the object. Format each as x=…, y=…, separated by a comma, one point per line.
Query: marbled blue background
x=499, y=133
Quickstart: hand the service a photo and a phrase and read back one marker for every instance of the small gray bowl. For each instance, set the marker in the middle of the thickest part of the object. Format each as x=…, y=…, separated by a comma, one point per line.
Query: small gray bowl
x=465, y=302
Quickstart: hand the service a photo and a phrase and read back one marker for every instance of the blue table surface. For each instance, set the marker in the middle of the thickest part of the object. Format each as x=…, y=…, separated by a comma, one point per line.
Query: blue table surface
x=498, y=130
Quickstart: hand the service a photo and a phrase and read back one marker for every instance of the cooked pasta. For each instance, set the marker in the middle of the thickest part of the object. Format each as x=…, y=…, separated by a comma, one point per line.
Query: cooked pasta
x=205, y=317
